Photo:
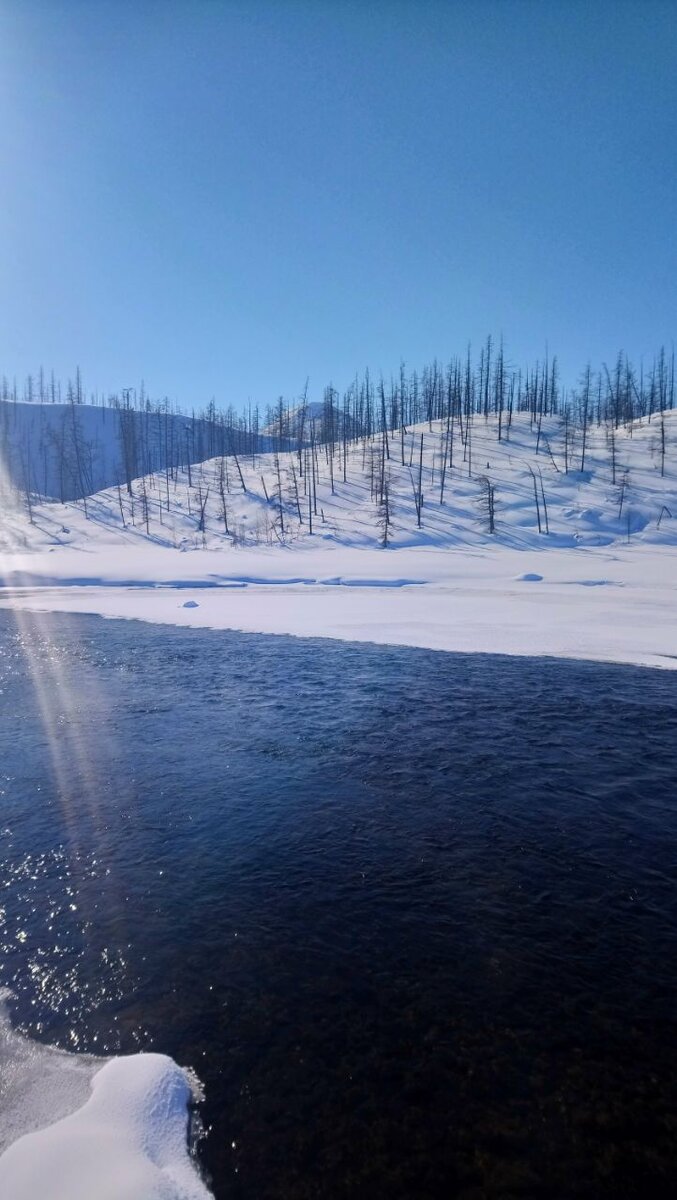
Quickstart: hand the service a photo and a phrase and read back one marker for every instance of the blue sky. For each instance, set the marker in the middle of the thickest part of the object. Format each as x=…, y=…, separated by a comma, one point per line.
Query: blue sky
x=225, y=198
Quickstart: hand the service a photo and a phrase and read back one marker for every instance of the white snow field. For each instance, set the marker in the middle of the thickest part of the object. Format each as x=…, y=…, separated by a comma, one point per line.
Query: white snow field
x=599, y=584
x=74, y=1127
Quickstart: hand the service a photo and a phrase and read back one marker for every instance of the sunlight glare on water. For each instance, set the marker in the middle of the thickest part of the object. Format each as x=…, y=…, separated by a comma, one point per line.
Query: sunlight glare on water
x=411, y=916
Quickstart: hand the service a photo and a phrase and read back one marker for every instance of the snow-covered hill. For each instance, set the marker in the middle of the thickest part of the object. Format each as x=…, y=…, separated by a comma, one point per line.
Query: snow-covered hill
x=313, y=420
x=66, y=451
x=268, y=499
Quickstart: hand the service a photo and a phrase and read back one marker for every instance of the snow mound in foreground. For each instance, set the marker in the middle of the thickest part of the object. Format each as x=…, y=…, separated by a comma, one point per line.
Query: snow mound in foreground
x=125, y=1140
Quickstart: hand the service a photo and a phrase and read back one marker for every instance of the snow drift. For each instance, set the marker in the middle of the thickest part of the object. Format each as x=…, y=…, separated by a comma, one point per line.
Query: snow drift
x=78, y=1127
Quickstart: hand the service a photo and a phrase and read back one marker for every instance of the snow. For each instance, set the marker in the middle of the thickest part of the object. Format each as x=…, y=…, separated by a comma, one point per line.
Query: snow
x=40, y=439
x=74, y=1127
x=38, y=1084
x=460, y=602
x=600, y=585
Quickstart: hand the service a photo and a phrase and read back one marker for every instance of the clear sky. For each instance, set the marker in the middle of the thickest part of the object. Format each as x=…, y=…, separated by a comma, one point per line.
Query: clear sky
x=224, y=198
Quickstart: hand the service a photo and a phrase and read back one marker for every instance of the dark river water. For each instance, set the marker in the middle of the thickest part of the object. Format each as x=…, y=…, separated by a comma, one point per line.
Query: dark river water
x=411, y=916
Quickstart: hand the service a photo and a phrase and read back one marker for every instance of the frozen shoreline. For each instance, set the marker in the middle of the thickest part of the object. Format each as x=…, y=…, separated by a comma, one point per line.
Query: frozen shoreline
x=73, y=1127
x=611, y=604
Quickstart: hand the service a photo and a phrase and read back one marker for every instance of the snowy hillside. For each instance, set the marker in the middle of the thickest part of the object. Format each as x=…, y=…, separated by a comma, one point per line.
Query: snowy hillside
x=310, y=418
x=65, y=451
x=369, y=497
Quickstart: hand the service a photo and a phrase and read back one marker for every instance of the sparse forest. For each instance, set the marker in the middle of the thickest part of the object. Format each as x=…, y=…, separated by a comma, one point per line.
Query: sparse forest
x=387, y=461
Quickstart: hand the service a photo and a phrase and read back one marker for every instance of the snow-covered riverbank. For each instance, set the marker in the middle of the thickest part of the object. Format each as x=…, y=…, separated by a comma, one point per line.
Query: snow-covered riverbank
x=607, y=604
x=581, y=564
x=73, y=1127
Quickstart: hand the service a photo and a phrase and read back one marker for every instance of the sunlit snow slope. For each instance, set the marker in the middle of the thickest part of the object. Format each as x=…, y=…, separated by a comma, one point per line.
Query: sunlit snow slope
x=250, y=504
